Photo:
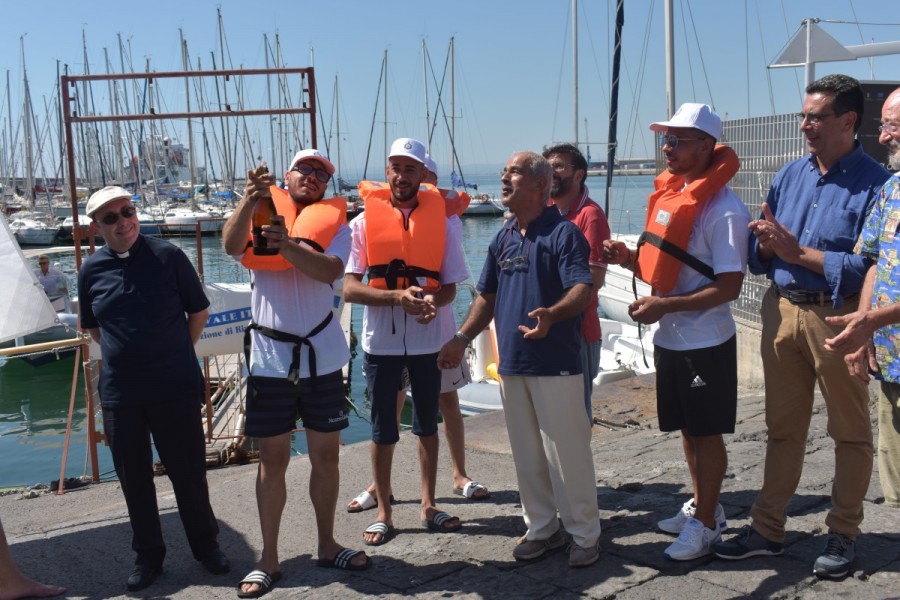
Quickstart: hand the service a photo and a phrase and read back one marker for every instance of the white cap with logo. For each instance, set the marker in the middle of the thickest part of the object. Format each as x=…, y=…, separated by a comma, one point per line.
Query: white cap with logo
x=695, y=116
x=104, y=196
x=409, y=148
x=312, y=154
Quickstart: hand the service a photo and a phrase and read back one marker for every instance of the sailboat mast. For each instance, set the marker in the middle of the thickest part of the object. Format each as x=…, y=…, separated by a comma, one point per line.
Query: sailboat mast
x=425, y=85
x=186, y=65
x=453, y=103
x=385, y=109
x=575, y=66
x=670, y=59
x=614, y=102
x=337, y=121
x=29, y=164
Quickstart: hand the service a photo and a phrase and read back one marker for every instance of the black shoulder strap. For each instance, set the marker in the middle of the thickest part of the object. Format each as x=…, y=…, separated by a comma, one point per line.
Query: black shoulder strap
x=670, y=248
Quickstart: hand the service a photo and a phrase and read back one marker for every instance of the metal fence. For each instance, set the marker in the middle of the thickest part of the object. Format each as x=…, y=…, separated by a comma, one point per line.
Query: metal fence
x=764, y=145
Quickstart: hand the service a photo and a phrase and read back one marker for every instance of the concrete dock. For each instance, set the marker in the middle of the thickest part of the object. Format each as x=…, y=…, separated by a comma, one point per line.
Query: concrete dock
x=81, y=540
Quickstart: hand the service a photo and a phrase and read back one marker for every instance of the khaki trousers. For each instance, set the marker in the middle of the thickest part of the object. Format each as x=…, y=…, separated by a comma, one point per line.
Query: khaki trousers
x=889, y=442
x=794, y=360
x=551, y=446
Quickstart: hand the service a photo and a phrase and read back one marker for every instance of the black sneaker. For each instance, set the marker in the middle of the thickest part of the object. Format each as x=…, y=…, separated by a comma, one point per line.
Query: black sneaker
x=838, y=558
x=746, y=544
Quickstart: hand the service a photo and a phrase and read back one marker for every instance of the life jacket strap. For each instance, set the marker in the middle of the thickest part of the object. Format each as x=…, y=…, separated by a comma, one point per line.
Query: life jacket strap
x=298, y=341
x=670, y=248
x=397, y=269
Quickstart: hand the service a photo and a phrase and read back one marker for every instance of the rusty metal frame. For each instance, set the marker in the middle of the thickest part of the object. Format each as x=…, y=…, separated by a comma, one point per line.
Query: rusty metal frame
x=70, y=117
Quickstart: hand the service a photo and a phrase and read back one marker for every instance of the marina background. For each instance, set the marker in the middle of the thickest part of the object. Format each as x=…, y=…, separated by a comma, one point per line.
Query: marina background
x=34, y=401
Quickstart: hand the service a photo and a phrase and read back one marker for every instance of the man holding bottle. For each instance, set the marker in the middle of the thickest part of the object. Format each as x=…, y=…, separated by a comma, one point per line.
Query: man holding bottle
x=295, y=350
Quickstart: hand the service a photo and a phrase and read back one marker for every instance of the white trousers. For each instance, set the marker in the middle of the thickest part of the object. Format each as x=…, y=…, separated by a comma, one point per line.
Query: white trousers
x=551, y=447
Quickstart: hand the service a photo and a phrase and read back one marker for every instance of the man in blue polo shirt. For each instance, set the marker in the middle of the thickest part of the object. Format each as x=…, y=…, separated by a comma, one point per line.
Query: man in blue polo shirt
x=803, y=242
x=537, y=271
x=141, y=300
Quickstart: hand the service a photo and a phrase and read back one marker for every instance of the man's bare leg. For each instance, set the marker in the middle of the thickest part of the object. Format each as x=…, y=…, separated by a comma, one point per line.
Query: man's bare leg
x=324, y=486
x=455, y=433
x=14, y=584
x=382, y=461
x=710, y=459
x=271, y=496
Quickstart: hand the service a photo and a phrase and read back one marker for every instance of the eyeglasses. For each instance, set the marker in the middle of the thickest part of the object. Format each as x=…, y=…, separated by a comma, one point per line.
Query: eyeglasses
x=814, y=118
x=111, y=218
x=672, y=141
x=557, y=167
x=510, y=264
x=889, y=128
x=305, y=169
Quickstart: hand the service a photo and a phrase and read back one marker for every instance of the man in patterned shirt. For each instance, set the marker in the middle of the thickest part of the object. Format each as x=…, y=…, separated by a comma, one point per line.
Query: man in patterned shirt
x=871, y=337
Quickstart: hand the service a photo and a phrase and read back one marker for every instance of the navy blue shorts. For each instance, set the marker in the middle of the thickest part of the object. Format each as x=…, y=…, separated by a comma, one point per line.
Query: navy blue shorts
x=274, y=404
x=383, y=375
x=696, y=390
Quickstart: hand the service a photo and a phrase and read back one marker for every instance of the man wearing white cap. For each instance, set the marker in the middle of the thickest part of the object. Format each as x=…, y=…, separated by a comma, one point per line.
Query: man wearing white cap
x=695, y=345
x=296, y=351
x=413, y=261
x=133, y=295
x=455, y=203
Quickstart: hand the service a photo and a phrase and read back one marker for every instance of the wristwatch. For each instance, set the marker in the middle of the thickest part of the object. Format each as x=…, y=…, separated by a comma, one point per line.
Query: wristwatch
x=463, y=337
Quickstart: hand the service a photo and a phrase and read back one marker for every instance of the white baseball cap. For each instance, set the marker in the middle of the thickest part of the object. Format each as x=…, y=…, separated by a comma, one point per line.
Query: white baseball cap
x=409, y=148
x=312, y=154
x=104, y=196
x=695, y=116
x=430, y=164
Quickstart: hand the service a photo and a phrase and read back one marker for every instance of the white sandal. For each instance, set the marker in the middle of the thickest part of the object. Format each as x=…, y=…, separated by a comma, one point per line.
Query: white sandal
x=364, y=501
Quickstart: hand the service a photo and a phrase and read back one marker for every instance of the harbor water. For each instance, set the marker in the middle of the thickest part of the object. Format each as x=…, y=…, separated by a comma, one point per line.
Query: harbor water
x=34, y=401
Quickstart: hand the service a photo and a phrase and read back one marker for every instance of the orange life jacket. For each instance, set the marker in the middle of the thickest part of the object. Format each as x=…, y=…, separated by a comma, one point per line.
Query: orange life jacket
x=671, y=211
x=456, y=202
x=315, y=224
x=404, y=251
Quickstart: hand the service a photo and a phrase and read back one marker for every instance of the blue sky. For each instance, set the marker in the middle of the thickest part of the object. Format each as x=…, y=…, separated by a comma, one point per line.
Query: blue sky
x=513, y=61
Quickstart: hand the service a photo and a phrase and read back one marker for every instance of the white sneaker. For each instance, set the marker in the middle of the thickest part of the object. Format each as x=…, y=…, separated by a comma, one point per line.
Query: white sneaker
x=694, y=541
x=676, y=523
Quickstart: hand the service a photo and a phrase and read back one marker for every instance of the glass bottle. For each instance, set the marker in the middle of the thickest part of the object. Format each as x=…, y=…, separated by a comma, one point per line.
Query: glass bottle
x=264, y=213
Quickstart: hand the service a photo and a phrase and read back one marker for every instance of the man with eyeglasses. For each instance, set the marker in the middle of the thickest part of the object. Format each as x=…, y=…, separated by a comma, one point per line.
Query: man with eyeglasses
x=870, y=340
x=142, y=302
x=803, y=242
x=295, y=352
x=412, y=258
x=695, y=344
x=569, y=194
x=536, y=284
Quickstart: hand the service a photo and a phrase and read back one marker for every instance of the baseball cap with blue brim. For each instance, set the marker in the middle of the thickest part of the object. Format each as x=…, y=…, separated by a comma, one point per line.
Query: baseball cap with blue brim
x=695, y=116
x=104, y=196
x=409, y=148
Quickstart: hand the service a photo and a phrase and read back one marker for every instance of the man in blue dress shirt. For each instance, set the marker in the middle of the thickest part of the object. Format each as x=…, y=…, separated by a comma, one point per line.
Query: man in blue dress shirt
x=803, y=242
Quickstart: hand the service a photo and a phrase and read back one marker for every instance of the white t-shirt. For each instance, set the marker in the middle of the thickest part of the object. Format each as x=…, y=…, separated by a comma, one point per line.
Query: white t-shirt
x=388, y=330
x=293, y=302
x=719, y=239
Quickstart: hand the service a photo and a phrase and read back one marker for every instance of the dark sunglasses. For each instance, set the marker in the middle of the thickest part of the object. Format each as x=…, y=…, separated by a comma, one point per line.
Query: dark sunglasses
x=305, y=169
x=111, y=218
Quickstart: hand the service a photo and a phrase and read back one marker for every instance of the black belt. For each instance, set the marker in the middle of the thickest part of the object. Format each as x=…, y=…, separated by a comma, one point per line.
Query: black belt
x=820, y=298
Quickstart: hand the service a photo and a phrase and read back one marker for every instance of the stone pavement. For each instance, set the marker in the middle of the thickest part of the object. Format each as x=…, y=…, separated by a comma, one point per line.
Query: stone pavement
x=81, y=539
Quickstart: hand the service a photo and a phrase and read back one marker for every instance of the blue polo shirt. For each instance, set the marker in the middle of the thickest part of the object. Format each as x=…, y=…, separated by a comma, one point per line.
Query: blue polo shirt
x=531, y=272
x=140, y=302
x=825, y=212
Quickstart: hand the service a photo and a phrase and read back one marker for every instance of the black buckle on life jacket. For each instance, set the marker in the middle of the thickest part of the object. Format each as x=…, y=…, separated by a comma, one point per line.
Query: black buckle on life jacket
x=397, y=269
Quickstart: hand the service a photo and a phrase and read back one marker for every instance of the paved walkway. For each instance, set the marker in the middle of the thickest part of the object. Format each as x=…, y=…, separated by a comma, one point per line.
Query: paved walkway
x=81, y=540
